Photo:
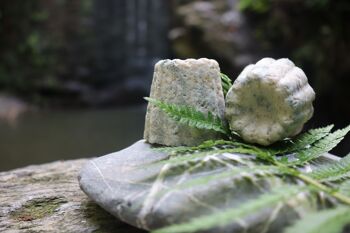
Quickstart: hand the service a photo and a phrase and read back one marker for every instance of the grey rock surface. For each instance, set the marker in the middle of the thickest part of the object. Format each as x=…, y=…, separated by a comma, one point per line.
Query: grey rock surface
x=269, y=101
x=47, y=198
x=190, y=82
x=150, y=190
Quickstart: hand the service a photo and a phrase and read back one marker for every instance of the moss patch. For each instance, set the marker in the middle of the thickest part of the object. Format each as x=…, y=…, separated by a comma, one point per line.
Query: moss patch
x=37, y=209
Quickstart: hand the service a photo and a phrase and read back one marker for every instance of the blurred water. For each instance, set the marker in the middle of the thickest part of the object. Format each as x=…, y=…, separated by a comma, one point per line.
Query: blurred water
x=44, y=136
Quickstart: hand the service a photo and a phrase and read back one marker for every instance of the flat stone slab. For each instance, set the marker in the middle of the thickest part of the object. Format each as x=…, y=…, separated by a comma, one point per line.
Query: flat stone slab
x=150, y=190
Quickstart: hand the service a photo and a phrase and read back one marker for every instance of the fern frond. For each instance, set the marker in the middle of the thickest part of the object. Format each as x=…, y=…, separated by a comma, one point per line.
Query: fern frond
x=333, y=171
x=302, y=140
x=236, y=173
x=321, y=146
x=174, y=150
x=177, y=160
x=224, y=217
x=205, y=146
x=344, y=188
x=191, y=117
x=325, y=221
x=226, y=83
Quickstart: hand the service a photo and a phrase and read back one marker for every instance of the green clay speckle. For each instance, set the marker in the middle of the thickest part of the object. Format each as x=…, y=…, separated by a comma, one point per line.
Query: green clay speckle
x=37, y=209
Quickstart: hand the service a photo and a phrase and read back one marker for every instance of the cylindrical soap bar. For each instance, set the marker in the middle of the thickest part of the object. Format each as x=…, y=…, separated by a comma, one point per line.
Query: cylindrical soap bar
x=190, y=82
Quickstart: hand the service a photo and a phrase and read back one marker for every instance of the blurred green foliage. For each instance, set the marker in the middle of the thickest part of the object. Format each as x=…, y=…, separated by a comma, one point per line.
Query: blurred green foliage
x=313, y=33
x=37, y=38
x=44, y=43
x=255, y=5
x=264, y=5
x=23, y=46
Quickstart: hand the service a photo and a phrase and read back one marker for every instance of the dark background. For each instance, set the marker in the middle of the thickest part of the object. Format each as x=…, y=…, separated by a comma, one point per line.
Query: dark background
x=73, y=72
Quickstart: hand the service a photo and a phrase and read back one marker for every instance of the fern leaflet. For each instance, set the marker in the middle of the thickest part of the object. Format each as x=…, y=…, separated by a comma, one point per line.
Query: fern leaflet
x=233, y=174
x=226, y=83
x=205, y=146
x=191, y=117
x=174, y=161
x=301, y=141
x=320, y=147
x=325, y=221
x=333, y=171
x=222, y=218
x=344, y=188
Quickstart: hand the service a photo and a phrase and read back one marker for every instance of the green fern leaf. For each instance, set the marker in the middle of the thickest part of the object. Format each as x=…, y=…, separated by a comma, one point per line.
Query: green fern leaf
x=224, y=217
x=344, y=188
x=174, y=150
x=177, y=160
x=333, y=171
x=325, y=221
x=320, y=147
x=302, y=141
x=205, y=146
x=236, y=173
x=226, y=83
x=191, y=117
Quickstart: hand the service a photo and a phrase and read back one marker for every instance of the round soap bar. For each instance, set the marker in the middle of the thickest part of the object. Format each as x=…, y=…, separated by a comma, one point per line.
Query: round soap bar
x=269, y=101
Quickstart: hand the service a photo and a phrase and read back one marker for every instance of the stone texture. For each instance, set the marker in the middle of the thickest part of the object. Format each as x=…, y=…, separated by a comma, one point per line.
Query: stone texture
x=269, y=101
x=190, y=82
x=150, y=189
x=47, y=198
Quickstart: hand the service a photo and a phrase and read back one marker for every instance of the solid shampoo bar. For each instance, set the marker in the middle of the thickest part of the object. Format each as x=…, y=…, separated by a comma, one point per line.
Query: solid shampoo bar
x=269, y=101
x=190, y=82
